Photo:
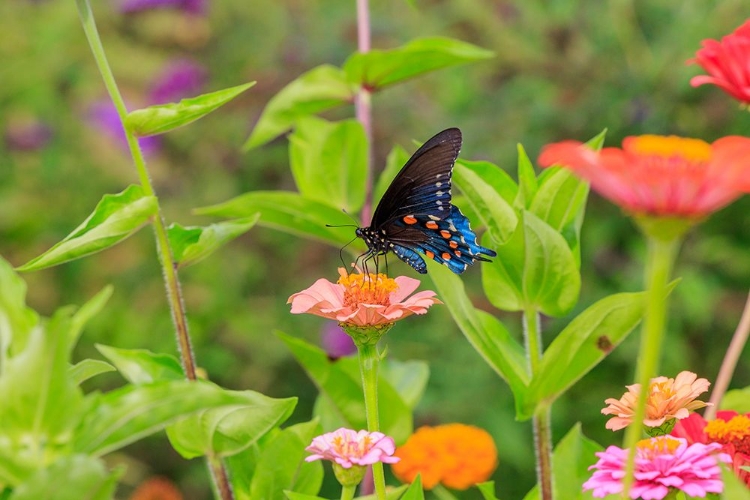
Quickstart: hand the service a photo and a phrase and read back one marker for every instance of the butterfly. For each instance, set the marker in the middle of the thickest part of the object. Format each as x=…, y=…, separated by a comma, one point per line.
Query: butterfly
x=415, y=217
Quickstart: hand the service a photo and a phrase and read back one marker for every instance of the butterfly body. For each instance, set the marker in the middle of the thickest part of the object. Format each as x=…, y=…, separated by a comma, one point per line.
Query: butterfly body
x=415, y=217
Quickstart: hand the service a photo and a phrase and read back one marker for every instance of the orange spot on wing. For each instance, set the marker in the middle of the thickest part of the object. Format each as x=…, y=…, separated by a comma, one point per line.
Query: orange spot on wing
x=429, y=254
x=431, y=225
x=446, y=256
x=458, y=253
x=453, y=244
x=445, y=234
x=409, y=219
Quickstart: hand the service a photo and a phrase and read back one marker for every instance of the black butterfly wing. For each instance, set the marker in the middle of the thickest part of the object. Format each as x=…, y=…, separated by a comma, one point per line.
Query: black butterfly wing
x=423, y=186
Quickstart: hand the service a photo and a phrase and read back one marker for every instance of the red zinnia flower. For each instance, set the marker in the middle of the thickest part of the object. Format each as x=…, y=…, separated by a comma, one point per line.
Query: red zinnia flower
x=727, y=63
x=661, y=176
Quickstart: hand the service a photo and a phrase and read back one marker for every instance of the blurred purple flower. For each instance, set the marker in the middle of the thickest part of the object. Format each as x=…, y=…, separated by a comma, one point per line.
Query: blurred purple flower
x=198, y=7
x=336, y=342
x=179, y=79
x=27, y=135
x=103, y=116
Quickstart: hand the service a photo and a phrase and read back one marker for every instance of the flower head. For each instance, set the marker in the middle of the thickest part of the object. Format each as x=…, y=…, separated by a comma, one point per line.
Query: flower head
x=727, y=63
x=157, y=488
x=363, y=300
x=661, y=464
x=455, y=455
x=668, y=398
x=730, y=429
x=661, y=176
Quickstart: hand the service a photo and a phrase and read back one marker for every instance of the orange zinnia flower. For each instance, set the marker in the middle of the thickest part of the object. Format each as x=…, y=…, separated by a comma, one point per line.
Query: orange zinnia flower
x=156, y=488
x=455, y=455
x=727, y=63
x=661, y=176
x=363, y=300
x=668, y=398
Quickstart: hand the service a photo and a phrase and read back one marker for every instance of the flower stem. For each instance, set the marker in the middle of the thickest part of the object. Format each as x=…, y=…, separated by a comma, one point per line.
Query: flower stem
x=363, y=104
x=732, y=356
x=368, y=366
x=347, y=492
x=541, y=421
x=659, y=262
x=164, y=251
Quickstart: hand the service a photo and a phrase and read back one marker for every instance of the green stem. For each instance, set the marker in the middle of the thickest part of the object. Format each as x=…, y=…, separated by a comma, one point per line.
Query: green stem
x=347, y=492
x=368, y=366
x=542, y=420
x=659, y=262
x=163, y=248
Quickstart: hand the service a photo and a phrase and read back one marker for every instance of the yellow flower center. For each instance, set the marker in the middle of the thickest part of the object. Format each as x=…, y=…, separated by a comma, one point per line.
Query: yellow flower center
x=669, y=146
x=736, y=431
x=373, y=289
x=347, y=448
x=657, y=446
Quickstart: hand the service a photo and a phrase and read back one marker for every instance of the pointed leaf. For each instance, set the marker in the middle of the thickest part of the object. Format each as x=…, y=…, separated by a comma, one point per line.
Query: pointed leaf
x=73, y=477
x=395, y=160
x=483, y=331
x=582, y=345
x=88, y=368
x=229, y=429
x=734, y=488
x=116, y=217
x=140, y=366
x=292, y=213
x=415, y=491
x=329, y=161
x=319, y=89
x=409, y=378
x=16, y=320
x=503, y=278
x=487, y=489
x=165, y=117
x=193, y=244
x=380, y=68
x=527, y=181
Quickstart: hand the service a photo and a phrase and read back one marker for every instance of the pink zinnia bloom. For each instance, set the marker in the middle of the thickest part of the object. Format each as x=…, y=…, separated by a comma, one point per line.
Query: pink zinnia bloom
x=348, y=448
x=661, y=176
x=668, y=398
x=661, y=463
x=363, y=299
x=727, y=63
x=730, y=429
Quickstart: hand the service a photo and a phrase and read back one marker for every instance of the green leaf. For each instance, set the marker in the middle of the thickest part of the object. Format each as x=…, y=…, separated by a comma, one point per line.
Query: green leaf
x=319, y=89
x=487, y=489
x=281, y=465
x=193, y=244
x=527, y=181
x=341, y=384
x=125, y=415
x=329, y=161
x=16, y=320
x=394, y=162
x=390, y=494
x=88, y=368
x=486, y=187
x=737, y=400
x=165, y=117
x=483, y=331
x=380, y=68
x=74, y=477
x=292, y=495
x=582, y=345
x=551, y=280
x=230, y=428
x=292, y=213
x=734, y=488
x=415, y=491
x=140, y=366
x=570, y=461
x=409, y=378
x=116, y=217
x=503, y=278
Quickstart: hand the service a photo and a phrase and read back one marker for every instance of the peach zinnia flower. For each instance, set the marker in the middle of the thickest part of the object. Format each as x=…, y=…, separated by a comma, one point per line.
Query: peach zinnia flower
x=363, y=299
x=730, y=429
x=661, y=176
x=727, y=63
x=157, y=488
x=668, y=398
x=455, y=455
x=347, y=448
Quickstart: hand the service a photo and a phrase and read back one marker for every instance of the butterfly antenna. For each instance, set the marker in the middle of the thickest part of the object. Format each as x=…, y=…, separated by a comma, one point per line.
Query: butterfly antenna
x=356, y=223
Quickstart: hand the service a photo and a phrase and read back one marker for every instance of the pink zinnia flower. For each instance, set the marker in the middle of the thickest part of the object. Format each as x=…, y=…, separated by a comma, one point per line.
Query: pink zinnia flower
x=727, y=63
x=668, y=398
x=661, y=464
x=363, y=300
x=730, y=429
x=661, y=176
x=348, y=448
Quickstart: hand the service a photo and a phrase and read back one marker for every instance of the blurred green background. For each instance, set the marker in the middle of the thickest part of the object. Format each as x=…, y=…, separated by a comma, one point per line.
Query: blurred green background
x=564, y=69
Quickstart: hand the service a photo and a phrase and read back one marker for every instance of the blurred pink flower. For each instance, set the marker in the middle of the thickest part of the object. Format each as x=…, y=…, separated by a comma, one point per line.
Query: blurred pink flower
x=335, y=341
x=668, y=398
x=662, y=464
x=27, y=134
x=179, y=79
x=363, y=300
x=197, y=7
x=661, y=176
x=103, y=116
x=347, y=448
x=727, y=63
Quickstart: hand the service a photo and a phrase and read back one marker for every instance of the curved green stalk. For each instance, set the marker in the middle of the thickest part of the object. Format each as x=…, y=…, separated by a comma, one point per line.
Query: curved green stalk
x=347, y=492
x=368, y=366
